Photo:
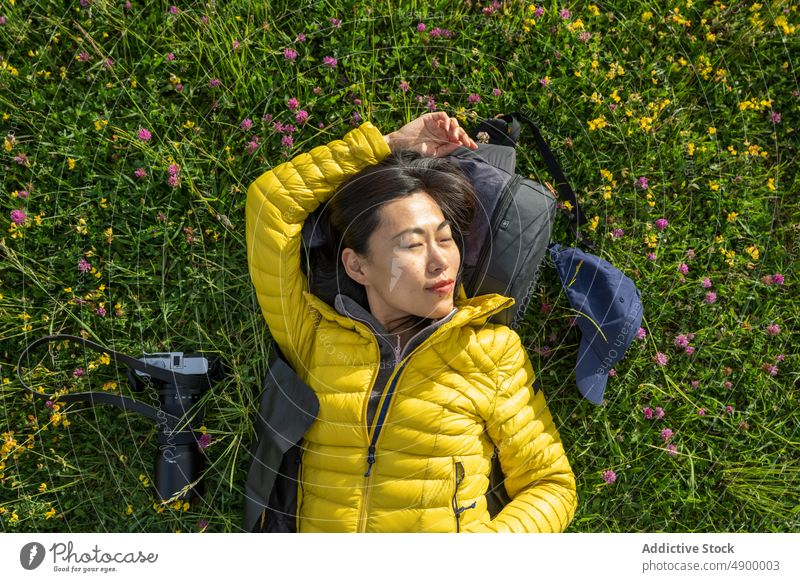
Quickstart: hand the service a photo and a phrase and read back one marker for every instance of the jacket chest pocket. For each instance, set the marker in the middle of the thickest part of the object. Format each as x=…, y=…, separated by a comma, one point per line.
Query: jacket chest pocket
x=459, y=474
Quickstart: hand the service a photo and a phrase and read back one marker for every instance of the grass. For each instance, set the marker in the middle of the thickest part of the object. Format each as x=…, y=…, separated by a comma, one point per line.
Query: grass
x=698, y=98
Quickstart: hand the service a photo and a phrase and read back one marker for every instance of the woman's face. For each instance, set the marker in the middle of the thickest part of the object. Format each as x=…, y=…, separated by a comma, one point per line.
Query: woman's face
x=411, y=254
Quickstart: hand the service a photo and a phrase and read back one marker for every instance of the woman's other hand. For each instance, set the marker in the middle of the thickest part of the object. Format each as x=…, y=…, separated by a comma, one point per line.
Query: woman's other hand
x=433, y=134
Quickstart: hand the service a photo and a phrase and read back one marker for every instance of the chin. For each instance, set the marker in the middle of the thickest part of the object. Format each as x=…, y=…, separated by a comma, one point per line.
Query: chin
x=441, y=309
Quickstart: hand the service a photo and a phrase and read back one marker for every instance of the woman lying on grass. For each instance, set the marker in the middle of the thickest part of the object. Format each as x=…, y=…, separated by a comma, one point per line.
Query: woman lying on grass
x=416, y=390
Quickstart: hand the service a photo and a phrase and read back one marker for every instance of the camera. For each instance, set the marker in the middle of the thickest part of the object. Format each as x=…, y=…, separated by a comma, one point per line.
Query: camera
x=179, y=461
x=179, y=382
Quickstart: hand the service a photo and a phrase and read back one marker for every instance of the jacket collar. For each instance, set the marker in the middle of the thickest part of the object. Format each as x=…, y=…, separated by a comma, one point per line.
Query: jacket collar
x=347, y=306
x=473, y=310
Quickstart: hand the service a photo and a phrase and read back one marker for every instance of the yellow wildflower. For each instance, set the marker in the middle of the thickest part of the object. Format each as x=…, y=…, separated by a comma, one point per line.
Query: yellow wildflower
x=50, y=513
x=732, y=216
x=594, y=222
x=732, y=150
x=42, y=487
x=646, y=16
x=713, y=186
x=752, y=250
x=690, y=149
x=129, y=509
x=598, y=123
x=614, y=71
x=576, y=25
x=771, y=184
x=594, y=10
x=712, y=130
x=606, y=175
x=71, y=163
x=189, y=124
x=784, y=25
x=607, y=192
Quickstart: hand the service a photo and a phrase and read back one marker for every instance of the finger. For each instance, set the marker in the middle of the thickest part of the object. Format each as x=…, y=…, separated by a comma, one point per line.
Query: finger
x=468, y=141
x=455, y=130
x=463, y=139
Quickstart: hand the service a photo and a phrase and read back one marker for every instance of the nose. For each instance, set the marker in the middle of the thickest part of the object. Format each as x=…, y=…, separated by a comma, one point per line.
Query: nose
x=437, y=260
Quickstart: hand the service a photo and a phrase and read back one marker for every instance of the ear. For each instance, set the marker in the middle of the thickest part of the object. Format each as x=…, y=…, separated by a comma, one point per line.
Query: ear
x=354, y=266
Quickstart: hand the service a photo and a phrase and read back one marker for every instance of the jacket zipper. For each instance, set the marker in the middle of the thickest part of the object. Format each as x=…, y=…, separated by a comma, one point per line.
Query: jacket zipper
x=376, y=432
x=379, y=421
x=499, y=212
x=384, y=408
x=458, y=510
x=381, y=416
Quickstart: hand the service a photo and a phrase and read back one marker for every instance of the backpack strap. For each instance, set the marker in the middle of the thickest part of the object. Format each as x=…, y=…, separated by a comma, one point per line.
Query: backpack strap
x=500, y=130
x=577, y=218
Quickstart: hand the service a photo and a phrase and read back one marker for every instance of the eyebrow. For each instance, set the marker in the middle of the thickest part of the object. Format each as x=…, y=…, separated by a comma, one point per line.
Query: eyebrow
x=418, y=230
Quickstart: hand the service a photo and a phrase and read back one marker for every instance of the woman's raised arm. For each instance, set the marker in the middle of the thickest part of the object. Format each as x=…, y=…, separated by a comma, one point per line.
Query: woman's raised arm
x=278, y=204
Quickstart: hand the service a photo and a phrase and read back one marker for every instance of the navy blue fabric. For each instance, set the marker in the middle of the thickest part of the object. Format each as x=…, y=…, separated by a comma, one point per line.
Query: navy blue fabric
x=610, y=309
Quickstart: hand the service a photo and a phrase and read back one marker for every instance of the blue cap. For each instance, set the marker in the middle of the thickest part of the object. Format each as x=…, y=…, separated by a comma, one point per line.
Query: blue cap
x=610, y=309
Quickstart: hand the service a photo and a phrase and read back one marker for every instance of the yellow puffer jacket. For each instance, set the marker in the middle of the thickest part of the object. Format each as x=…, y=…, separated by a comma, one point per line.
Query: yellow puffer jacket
x=466, y=389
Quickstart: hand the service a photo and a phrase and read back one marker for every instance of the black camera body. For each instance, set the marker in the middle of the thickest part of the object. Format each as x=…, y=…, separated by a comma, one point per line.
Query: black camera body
x=179, y=414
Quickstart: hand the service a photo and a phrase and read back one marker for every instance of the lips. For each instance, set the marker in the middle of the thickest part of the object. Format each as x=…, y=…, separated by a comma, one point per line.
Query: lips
x=442, y=286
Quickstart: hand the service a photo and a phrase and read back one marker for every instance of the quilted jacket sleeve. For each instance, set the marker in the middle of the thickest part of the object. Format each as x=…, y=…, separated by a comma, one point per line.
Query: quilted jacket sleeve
x=539, y=479
x=278, y=203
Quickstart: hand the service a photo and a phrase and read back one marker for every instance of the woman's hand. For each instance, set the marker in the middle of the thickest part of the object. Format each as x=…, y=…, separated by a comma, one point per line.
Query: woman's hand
x=433, y=134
